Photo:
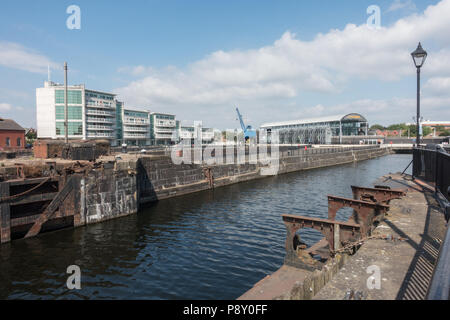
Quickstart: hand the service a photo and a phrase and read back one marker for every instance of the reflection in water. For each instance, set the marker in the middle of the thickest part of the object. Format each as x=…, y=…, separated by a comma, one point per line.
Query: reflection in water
x=208, y=245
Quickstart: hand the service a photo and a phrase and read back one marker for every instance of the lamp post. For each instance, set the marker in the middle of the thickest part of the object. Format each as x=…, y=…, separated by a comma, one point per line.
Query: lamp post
x=419, y=56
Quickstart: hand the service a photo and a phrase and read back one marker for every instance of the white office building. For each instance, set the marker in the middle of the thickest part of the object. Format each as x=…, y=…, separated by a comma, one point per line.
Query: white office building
x=99, y=115
x=136, y=127
x=163, y=128
x=91, y=114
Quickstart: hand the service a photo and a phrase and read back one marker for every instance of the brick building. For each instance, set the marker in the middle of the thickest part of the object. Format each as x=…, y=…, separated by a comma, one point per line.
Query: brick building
x=12, y=135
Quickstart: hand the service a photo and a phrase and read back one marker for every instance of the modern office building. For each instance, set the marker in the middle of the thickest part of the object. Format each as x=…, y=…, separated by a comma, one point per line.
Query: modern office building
x=319, y=130
x=136, y=127
x=99, y=115
x=163, y=128
x=91, y=114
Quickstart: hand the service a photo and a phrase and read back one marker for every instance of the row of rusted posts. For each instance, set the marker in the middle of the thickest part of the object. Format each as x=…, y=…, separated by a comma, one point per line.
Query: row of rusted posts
x=369, y=207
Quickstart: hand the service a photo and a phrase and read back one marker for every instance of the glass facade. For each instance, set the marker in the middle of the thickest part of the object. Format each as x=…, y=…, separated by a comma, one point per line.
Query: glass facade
x=74, y=113
x=119, y=133
x=319, y=131
x=165, y=117
x=74, y=128
x=136, y=114
x=73, y=96
x=103, y=96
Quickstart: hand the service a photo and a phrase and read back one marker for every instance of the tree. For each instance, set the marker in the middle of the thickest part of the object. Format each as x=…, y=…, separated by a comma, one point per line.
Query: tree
x=412, y=131
x=426, y=131
x=377, y=127
x=30, y=136
x=400, y=126
x=444, y=133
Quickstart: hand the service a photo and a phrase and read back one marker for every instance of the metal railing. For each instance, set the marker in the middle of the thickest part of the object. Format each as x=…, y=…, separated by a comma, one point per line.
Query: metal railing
x=432, y=165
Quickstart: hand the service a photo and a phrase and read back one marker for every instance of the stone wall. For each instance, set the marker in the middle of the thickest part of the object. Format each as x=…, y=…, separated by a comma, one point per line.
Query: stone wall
x=118, y=191
x=107, y=194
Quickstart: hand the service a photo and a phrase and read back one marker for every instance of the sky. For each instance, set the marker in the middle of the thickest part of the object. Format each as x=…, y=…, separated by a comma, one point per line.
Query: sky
x=275, y=60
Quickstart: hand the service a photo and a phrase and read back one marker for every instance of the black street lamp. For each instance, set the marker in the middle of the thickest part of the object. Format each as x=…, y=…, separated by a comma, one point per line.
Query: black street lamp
x=419, y=56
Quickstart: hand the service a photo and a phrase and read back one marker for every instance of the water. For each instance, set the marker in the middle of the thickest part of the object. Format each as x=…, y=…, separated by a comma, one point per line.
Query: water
x=208, y=245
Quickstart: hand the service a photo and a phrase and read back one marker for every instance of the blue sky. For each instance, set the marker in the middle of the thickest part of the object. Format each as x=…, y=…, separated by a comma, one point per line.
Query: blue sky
x=198, y=59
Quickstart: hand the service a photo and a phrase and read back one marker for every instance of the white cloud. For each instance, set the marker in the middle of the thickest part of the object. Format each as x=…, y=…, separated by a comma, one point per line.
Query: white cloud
x=16, y=56
x=136, y=70
x=5, y=107
x=402, y=5
x=290, y=66
x=438, y=85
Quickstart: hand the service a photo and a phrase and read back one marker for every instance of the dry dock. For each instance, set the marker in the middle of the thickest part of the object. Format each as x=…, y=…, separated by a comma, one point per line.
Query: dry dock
x=402, y=251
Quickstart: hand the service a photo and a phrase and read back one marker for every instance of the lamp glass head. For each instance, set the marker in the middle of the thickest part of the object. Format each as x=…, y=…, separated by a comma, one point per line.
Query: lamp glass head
x=419, y=56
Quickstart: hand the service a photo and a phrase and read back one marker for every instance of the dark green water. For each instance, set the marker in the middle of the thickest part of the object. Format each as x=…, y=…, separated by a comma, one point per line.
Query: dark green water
x=208, y=245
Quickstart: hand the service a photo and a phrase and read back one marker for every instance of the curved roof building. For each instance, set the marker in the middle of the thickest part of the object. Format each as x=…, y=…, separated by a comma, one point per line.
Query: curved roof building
x=351, y=124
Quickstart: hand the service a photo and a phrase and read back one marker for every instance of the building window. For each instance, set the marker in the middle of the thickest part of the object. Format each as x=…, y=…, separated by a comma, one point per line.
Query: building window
x=8, y=142
x=74, y=113
x=75, y=128
x=73, y=96
x=19, y=142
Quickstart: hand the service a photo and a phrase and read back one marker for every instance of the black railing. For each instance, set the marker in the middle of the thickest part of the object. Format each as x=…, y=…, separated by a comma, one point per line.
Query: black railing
x=432, y=165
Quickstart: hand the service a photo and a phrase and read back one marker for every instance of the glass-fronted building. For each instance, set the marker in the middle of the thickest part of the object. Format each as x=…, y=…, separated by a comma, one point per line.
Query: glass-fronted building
x=136, y=127
x=319, y=130
x=90, y=114
x=163, y=127
x=99, y=115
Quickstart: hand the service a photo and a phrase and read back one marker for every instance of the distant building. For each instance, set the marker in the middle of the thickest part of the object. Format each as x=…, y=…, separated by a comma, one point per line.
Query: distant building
x=190, y=132
x=136, y=127
x=12, y=135
x=319, y=130
x=163, y=128
x=91, y=114
x=99, y=115
x=434, y=124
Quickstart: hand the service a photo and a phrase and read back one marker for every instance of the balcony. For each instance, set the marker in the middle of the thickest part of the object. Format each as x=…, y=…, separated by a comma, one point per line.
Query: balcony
x=94, y=127
x=165, y=123
x=135, y=136
x=134, y=121
x=99, y=113
x=134, y=129
x=163, y=136
x=96, y=105
x=100, y=135
x=159, y=130
x=99, y=120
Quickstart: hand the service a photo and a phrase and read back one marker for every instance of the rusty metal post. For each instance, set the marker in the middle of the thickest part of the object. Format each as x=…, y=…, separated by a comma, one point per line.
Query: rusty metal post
x=5, y=215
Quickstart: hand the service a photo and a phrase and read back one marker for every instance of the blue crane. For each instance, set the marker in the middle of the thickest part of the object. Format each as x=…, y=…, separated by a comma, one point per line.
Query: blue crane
x=248, y=131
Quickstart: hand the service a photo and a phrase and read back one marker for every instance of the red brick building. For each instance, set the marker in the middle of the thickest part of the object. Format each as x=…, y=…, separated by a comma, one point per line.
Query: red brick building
x=12, y=135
